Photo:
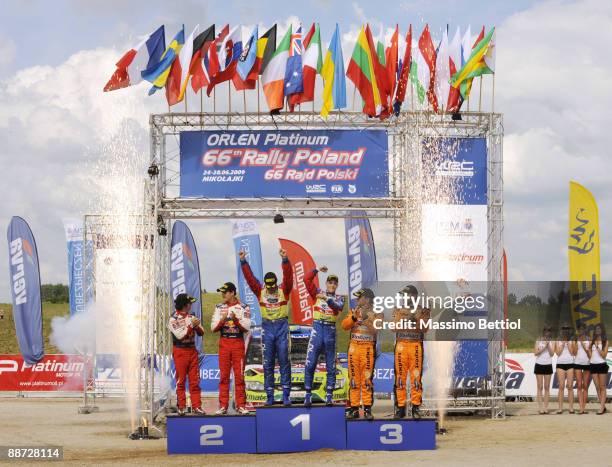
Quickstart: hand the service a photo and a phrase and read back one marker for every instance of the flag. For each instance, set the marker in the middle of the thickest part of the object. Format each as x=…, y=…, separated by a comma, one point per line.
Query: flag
x=201, y=45
x=428, y=53
x=380, y=71
x=360, y=255
x=79, y=273
x=311, y=66
x=479, y=63
x=136, y=60
x=332, y=71
x=454, y=64
x=402, y=82
x=231, y=49
x=185, y=270
x=419, y=75
x=246, y=238
x=159, y=74
x=466, y=86
x=302, y=304
x=584, y=257
x=24, y=274
x=266, y=46
x=294, y=83
x=442, y=78
x=361, y=72
x=391, y=56
x=273, y=76
x=249, y=54
x=179, y=72
x=211, y=60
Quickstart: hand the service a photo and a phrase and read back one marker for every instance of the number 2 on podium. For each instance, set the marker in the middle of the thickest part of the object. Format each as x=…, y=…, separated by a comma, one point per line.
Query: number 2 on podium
x=304, y=420
x=211, y=435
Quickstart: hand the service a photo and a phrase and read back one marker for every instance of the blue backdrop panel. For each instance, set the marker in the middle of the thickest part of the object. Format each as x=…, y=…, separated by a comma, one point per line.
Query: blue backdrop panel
x=288, y=163
x=211, y=435
x=300, y=429
x=390, y=435
x=472, y=359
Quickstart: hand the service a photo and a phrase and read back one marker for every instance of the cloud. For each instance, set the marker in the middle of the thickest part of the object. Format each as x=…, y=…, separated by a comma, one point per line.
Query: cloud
x=7, y=51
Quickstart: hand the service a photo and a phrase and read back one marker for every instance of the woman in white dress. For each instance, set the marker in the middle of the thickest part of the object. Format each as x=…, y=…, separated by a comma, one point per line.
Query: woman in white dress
x=543, y=350
x=565, y=350
x=599, y=367
x=582, y=368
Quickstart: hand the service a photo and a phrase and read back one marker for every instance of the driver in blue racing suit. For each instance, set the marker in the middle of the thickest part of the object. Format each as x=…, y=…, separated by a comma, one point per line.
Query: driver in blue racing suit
x=274, y=323
x=327, y=306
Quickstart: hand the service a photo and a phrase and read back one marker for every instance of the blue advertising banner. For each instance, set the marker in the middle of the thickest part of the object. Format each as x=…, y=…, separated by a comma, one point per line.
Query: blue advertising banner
x=360, y=255
x=246, y=238
x=77, y=271
x=24, y=274
x=185, y=269
x=284, y=163
x=455, y=170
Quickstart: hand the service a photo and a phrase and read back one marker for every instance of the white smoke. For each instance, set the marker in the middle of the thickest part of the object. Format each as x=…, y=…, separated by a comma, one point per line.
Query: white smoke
x=75, y=334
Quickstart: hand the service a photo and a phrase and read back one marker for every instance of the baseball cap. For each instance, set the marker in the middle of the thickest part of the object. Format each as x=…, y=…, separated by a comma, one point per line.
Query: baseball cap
x=270, y=280
x=332, y=277
x=227, y=287
x=183, y=299
x=368, y=293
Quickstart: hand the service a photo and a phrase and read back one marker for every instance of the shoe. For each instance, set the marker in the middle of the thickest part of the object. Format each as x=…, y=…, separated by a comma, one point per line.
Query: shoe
x=181, y=412
x=198, y=411
x=243, y=411
x=307, y=400
x=416, y=411
x=329, y=400
x=270, y=399
x=221, y=411
x=286, y=397
x=367, y=413
x=400, y=412
x=352, y=412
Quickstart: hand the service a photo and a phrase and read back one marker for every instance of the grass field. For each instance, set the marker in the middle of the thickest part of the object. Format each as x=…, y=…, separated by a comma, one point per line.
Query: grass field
x=532, y=321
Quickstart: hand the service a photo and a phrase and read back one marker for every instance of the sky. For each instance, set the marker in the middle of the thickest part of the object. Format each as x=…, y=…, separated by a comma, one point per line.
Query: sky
x=57, y=127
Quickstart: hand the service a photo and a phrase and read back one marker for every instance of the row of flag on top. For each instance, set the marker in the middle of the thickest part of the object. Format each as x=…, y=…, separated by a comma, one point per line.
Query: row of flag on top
x=441, y=74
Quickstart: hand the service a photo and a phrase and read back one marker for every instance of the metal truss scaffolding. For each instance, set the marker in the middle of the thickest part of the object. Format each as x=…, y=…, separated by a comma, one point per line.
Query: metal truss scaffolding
x=402, y=207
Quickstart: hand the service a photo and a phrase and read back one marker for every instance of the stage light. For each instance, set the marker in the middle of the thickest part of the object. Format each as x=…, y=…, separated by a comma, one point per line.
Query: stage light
x=456, y=116
x=153, y=170
x=161, y=227
x=278, y=217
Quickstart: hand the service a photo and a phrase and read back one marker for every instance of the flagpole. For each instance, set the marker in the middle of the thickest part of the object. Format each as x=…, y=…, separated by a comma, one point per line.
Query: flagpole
x=258, y=98
x=480, y=96
x=354, y=92
x=201, y=110
x=493, y=96
x=245, y=106
x=229, y=96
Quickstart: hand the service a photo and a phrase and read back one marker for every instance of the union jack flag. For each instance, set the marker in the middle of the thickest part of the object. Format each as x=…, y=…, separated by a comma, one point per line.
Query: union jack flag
x=294, y=82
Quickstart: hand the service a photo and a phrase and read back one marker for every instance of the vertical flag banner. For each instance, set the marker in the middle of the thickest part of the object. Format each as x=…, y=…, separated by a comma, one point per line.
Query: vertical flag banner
x=302, y=262
x=332, y=71
x=361, y=72
x=402, y=82
x=246, y=238
x=185, y=269
x=360, y=255
x=294, y=79
x=273, y=76
x=77, y=269
x=24, y=275
x=583, y=256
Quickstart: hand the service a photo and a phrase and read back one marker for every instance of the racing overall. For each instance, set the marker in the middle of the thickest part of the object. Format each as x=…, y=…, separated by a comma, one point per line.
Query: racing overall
x=231, y=349
x=323, y=336
x=274, y=326
x=408, y=363
x=361, y=356
x=186, y=362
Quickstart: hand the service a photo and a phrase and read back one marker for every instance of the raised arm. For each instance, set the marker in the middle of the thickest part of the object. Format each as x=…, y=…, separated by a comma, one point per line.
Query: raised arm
x=309, y=283
x=287, y=273
x=254, y=284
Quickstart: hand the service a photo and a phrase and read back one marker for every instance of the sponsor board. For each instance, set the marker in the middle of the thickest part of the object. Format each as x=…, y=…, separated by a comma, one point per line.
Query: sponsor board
x=287, y=163
x=520, y=380
x=52, y=373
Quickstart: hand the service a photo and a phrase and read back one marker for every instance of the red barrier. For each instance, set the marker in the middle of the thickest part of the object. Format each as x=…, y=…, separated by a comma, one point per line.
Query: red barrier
x=52, y=373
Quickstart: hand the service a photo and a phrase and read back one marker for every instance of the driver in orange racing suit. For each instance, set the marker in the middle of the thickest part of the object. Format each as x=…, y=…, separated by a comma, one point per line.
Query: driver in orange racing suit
x=409, y=353
x=361, y=353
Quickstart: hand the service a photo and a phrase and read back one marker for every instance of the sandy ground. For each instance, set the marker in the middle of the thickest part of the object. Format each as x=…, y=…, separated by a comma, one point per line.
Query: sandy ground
x=523, y=438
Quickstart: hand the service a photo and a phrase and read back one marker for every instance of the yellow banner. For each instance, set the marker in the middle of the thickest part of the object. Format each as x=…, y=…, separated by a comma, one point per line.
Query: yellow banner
x=583, y=255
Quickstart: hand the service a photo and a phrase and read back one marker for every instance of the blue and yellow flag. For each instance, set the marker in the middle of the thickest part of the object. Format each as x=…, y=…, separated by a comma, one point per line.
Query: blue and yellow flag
x=583, y=255
x=158, y=75
x=332, y=71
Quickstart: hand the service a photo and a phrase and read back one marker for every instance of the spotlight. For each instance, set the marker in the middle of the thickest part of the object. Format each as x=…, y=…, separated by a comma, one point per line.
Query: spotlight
x=278, y=218
x=153, y=170
x=456, y=116
x=161, y=227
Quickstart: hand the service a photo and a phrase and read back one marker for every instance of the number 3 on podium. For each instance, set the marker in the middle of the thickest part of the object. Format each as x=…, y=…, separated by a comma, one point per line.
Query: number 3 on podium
x=391, y=433
x=211, y=435
x=304, y=420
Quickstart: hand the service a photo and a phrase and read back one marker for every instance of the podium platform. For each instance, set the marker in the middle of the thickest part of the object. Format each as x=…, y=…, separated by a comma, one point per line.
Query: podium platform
x=280, y=429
